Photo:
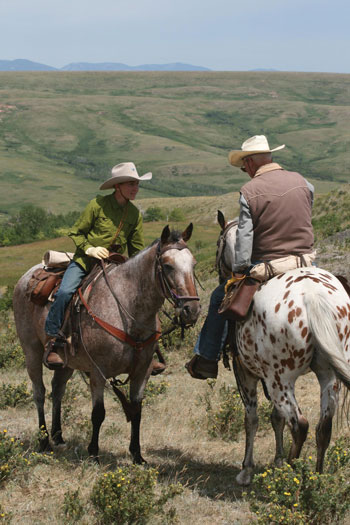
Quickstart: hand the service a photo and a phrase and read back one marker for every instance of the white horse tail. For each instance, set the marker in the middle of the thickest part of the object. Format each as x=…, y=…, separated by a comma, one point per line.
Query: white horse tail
x=325, y=335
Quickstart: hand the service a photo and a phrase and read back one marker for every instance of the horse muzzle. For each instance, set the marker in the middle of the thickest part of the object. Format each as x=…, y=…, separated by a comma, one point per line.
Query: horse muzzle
x=189, y=311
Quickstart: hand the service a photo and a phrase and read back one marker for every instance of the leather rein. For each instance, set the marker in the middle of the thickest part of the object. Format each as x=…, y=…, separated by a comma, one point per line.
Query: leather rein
x=221, y=245
x=169, y=294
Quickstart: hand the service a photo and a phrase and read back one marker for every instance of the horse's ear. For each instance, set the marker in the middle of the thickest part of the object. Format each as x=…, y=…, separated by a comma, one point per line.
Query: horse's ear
x=186, y=235
x=165, y=234
x=221, y=220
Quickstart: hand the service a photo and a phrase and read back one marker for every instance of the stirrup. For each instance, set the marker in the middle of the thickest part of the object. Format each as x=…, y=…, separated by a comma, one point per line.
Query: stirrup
x=50, y=348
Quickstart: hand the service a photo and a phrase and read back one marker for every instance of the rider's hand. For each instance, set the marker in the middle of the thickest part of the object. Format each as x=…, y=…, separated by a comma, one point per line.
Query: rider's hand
x=98, y=252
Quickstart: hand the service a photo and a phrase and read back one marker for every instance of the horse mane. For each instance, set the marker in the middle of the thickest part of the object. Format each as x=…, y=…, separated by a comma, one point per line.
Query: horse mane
x=175, y=236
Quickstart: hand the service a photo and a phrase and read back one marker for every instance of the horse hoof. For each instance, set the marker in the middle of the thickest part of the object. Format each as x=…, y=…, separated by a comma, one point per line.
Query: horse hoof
x=95, y=459
x=244, y=478
x=279, y=462
x=138, y=460
x=58, y=441
x=44, y=446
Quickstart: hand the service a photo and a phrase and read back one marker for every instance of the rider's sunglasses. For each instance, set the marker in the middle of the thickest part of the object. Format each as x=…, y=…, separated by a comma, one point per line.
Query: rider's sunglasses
x=243, y=167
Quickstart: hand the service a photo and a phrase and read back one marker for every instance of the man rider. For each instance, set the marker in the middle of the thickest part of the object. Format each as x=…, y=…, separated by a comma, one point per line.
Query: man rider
x=274, y=221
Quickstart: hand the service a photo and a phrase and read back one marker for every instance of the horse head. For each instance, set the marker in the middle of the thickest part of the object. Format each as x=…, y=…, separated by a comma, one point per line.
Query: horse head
x=175, y=271
x=225, y=253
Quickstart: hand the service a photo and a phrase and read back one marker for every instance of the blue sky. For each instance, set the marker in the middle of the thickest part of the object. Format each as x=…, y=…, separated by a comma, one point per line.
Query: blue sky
x=288, y=35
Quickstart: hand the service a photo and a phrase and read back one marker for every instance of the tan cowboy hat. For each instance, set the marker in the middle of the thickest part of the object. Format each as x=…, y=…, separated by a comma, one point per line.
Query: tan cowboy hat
x=124, y=172
x=256, y=144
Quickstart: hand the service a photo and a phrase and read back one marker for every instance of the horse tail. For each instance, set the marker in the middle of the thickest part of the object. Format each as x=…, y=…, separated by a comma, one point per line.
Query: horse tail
x=326, y=337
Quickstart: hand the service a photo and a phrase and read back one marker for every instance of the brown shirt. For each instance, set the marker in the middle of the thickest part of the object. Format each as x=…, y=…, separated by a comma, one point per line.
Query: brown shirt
x=280, y=205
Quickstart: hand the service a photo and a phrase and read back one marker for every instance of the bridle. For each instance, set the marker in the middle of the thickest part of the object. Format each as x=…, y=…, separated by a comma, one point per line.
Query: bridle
x=220, y=264
x=177, y=301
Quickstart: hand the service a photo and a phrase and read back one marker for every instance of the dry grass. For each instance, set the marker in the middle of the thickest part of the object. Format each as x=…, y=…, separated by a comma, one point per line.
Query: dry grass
x=174, y=440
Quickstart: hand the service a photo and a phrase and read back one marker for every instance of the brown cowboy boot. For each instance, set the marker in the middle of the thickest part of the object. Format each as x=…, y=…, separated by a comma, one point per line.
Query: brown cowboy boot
x=157, y=367
x=51, y=359
x=201, y=368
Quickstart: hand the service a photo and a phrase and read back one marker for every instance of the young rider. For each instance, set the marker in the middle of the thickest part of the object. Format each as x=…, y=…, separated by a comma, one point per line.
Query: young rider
x=107, y=220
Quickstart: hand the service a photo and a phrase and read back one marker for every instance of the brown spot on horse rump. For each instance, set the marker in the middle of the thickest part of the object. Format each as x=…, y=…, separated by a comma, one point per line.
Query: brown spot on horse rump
x=309, y=337
x=304, y=332
x=301, y=324
x=298, y=312
x=289, y=278
x=277, y=307
x=288, y=362
x=330, y=286
x=342, y=311
x=280, y=276
x=309, y=348
x=299, y=353
x=272, y=338
x=290, y=304
x=286, y=295
x=291, y=316
x=326, y=276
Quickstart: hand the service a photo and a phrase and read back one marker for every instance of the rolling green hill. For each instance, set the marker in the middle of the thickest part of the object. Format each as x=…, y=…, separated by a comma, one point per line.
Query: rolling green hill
x=60, y=133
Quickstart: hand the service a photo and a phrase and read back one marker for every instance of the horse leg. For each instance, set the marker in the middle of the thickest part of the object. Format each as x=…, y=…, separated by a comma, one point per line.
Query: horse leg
x=98, y=413
x=251, y=424
x=278, y=423
x=58, y=383
x=329, y=400
x=134, y=447
x=137, y=387
x=35, y=371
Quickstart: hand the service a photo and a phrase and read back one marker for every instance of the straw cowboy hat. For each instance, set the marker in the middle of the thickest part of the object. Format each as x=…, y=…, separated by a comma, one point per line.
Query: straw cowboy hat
x=256, y=144
x=124, y=172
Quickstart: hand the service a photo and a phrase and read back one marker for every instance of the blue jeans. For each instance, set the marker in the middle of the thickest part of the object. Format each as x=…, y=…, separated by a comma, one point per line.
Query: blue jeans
x=70, y=282
x=214, y=330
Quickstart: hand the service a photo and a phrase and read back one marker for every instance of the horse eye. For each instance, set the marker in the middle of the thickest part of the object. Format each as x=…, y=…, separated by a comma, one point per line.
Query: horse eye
x=167, y=267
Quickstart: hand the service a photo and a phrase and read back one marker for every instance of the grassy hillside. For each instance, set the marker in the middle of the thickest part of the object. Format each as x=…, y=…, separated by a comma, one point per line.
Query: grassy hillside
x=60, y=133
x=16, y=260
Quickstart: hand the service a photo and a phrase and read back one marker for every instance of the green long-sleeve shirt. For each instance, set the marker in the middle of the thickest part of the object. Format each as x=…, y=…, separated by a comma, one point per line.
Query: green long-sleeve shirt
x=98, y=224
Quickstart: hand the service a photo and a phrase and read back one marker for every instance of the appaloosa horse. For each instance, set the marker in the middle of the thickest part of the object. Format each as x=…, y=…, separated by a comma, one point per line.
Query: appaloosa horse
x=297, y=320
x=137, y=291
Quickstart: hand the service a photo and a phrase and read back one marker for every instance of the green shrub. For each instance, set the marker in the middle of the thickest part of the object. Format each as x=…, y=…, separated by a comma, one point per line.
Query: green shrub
x=153, y=390
x=297, y=494
x=11, y=455
x=153, y=213
x=73, y=508
x=11, y=353
x=338, y=456
x=6, y=299
x=129, y=495
x=5, y=517
x=177, y=215
x=226, y=419
x=14, y=395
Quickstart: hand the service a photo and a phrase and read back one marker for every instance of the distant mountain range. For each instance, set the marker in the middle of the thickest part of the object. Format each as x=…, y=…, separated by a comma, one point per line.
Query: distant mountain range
x=28, y=65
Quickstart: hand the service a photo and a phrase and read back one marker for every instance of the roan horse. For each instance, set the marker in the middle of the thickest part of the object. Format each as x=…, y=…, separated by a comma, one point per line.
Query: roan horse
x=297, y=320
x=138, y=290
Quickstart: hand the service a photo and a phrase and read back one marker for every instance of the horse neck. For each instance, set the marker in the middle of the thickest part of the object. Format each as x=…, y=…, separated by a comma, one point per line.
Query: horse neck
x=141, y=289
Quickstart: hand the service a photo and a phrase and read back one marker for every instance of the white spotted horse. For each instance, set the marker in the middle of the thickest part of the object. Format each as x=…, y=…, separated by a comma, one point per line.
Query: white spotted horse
x=118, y=331
x=298, y=320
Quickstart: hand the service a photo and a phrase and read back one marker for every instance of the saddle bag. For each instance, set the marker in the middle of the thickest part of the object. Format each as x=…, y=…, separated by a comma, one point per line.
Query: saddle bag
x=42, y=283
x=236, y=303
